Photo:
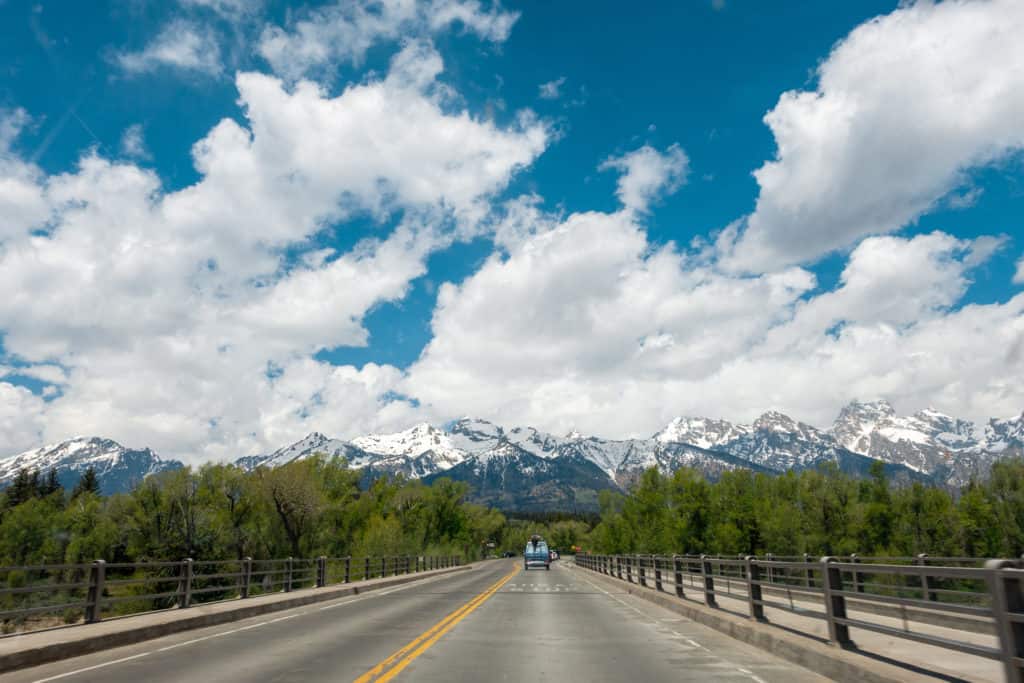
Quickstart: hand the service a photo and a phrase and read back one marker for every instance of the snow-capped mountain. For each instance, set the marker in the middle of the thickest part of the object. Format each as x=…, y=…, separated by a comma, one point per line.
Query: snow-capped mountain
x=415, y=453
x=927, y=441
x=519, y=466
x=117, y=468
x=512, y=478
x=303, y=448
x=774, y=441
x=412, y=444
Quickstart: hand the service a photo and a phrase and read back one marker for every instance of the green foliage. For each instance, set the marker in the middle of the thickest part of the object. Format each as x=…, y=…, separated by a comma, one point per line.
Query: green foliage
x=820, y=512
x=218, y=512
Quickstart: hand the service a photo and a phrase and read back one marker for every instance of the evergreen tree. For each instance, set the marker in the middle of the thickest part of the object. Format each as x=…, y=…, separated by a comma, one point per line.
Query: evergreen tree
x=20, y=489
x=89, y=483
x=52, y=484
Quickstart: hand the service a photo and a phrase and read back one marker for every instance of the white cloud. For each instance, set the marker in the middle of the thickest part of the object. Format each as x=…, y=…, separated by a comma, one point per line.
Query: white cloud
x=133, y=142
x=585, y=323
x=904, y=106
x=230, y=9
x=180, y=45
x=1018, y=277
x=179, y=323
x=342, y=32
x=552, y=89
x=21, y=418
x=648, y=173
x=22, y=206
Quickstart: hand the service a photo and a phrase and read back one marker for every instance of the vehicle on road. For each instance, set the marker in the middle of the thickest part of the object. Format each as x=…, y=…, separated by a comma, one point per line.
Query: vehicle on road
x=554, y=555
x=536, y=554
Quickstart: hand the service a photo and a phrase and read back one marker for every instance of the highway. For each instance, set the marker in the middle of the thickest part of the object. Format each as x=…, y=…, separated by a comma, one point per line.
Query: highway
x=493, y=622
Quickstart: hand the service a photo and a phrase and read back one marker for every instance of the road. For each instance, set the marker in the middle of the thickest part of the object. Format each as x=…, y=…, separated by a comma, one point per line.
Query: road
x=494, y=622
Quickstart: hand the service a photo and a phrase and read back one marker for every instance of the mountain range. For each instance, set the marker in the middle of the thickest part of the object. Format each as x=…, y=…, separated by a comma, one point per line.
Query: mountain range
x=523, y=468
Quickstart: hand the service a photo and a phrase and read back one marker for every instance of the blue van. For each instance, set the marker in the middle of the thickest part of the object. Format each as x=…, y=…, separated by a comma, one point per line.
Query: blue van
x=536, y=554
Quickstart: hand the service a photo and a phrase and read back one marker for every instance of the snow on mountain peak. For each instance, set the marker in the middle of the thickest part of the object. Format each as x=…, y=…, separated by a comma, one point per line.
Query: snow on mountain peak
x=117, y=467
x=699, y=431
x=413, y=443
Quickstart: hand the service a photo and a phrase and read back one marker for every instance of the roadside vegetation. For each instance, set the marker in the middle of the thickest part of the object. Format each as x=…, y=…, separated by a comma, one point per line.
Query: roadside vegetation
x=304, y=509
x=820, y=512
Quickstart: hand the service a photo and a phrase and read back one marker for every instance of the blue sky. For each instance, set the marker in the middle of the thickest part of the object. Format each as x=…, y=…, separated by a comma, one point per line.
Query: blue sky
x=695, y=76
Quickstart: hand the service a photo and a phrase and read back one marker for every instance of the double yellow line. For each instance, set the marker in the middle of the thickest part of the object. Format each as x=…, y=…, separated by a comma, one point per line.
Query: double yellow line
x=390, y=667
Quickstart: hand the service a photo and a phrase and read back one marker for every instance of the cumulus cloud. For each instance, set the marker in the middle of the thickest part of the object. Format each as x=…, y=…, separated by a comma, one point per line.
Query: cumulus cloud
x=647, y=174
x=133, y=142
x=552, y=89
x=22, y=205
x=177, y=321
x=181, y=45
x=1018, y=277
x=904, y=106
x=587, y=324
x=342, y=32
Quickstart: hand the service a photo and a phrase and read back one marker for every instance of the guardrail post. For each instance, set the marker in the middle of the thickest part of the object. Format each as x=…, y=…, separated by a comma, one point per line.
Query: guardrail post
x=771, y=571
x=677, y=568
x=922, y=560
x=383, y=567
x=366, y=568
x=858, y=585
x=618, y=566
x=246, y=576
x=321, y=571
x=835, y=605
x=657, y=574
x=629, y=568
x=1007, y=589
x=641, y=571
x=289, y=566
x=707, y=573
x=808, y=573
x=185, y=583
x=348, y=569
x=94, y=598
x=754, y=588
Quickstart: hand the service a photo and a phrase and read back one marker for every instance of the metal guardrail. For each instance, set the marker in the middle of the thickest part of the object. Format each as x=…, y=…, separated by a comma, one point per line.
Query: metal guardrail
x=46, y=595
x=992, y=593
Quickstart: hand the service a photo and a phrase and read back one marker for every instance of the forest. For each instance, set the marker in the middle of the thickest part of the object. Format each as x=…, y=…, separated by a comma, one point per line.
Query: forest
x=820, y=512
x=305, y=509
x=317, y=507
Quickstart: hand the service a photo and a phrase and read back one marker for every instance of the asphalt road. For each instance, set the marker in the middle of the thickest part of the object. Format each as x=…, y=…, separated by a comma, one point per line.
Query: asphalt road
x=495, y=622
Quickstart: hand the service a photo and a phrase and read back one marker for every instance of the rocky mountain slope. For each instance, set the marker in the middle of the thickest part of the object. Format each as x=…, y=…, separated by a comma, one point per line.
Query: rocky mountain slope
x=117, y=468
x=525, y=468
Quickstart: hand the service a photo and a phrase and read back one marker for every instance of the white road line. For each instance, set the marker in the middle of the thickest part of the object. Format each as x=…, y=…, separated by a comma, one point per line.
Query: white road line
x=371, y=594
x=91, y=668
x=691, y=641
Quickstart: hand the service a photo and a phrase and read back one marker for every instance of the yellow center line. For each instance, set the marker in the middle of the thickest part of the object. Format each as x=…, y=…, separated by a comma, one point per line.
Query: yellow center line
x=389, y=668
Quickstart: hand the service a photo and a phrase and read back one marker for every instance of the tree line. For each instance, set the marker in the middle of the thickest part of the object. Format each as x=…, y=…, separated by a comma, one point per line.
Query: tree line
x=307, y=508
x=820, y=512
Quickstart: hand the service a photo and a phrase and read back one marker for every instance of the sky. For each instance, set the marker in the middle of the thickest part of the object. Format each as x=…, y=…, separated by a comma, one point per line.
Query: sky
x=225, y=224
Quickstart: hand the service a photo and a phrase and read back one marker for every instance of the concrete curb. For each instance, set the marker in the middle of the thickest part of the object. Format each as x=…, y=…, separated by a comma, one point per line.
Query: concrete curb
x=829, y=661
x=74, y=641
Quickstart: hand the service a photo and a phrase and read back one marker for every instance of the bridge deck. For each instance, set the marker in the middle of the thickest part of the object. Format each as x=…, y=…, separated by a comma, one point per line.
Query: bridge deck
x=494, y=622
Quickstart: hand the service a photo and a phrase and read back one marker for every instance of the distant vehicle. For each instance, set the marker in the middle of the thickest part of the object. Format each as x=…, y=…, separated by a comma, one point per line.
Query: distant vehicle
x=536, y=554
x=508, y=553
x=554, y=555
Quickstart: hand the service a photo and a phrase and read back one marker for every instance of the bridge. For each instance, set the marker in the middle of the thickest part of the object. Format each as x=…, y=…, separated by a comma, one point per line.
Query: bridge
x=594, y=617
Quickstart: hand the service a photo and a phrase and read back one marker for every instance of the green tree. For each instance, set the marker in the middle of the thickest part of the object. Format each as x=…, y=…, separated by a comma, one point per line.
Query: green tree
x=89, y=483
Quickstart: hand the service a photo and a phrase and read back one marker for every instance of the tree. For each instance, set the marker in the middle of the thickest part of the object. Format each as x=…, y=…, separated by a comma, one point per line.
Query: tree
x=89, y=483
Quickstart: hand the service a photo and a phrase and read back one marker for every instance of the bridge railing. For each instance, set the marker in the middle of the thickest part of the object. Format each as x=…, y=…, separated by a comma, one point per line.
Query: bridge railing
x=955, y=594
x=49, y=595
